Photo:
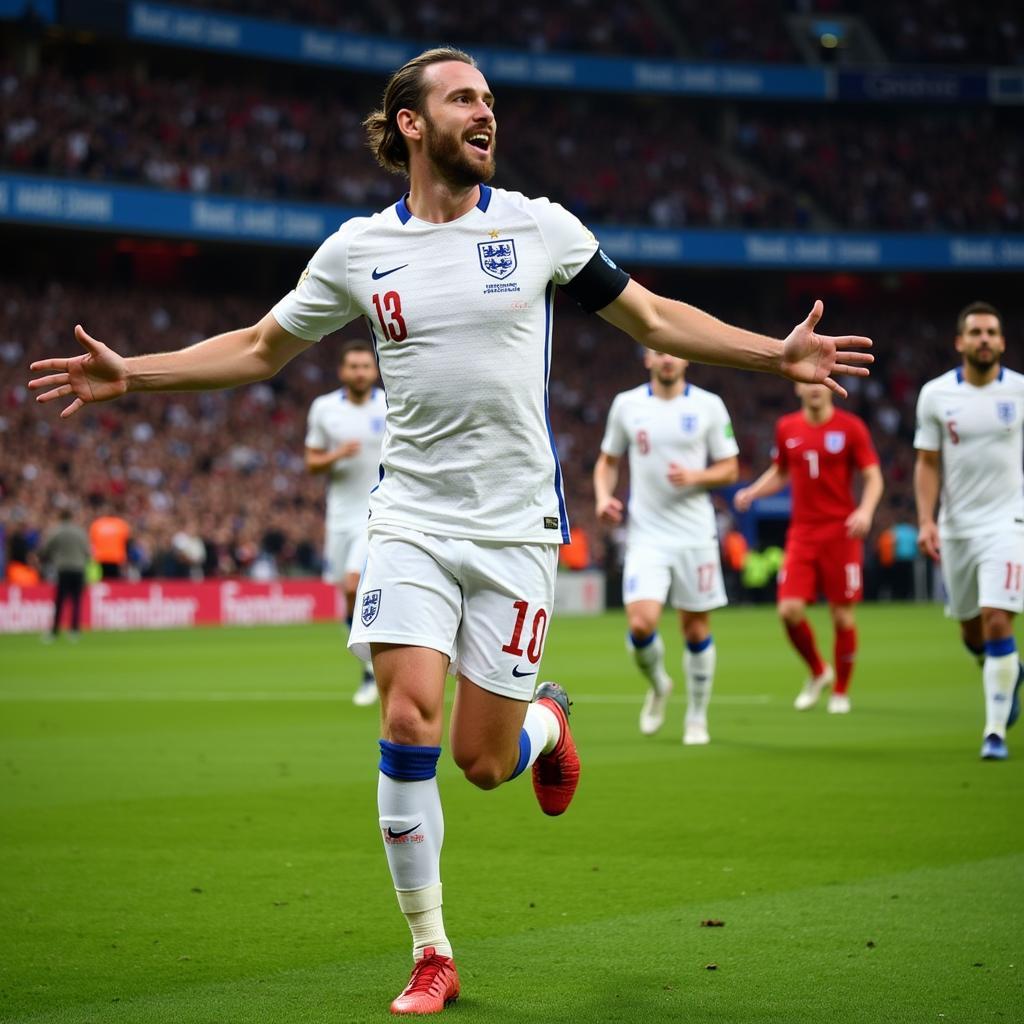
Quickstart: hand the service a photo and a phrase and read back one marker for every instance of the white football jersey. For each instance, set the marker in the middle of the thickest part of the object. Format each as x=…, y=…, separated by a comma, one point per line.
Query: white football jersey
x=692, y=430
x=461, y=317
x=332, y=420
x=978, y=432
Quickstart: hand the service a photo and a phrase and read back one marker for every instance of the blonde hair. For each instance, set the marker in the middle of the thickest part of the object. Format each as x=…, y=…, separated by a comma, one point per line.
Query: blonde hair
x=405, y=91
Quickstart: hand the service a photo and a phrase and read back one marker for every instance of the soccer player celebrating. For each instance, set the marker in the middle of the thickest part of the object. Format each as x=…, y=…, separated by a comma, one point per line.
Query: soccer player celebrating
x=457, y=282
x=681, y=443
x=818, y=450
x=969, y=435
x=343, y=439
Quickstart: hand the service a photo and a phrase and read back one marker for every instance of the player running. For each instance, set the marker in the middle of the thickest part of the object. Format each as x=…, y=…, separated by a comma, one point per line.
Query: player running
x=457, y=282
x=344, y=432
x=969, y=435
x=681, y=444
x=818, y=450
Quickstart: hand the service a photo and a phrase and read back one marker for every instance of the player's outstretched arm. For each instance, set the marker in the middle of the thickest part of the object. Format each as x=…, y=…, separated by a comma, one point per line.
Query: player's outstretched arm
x=666, y=325
x=926, y=494
x=771, y=481
x=227, y=360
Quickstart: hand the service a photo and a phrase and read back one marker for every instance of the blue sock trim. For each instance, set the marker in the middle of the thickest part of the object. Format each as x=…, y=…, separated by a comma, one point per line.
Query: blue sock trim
x=976, y=651
x=700, y=645
x=1000, y=648
x=646, y=642
x=524, y=754
x=408, y=764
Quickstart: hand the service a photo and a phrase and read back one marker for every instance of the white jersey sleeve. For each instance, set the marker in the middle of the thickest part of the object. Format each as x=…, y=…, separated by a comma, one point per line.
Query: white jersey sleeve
x=320, y=302
x=616, y=439
x=569, y=243
x=721, y=437
x=928, y=434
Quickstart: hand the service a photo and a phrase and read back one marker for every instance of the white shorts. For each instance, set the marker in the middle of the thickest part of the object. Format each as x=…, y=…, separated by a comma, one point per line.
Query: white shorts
x=686, y=578
x=486, y=606
x=983, y=572
x=345, y=552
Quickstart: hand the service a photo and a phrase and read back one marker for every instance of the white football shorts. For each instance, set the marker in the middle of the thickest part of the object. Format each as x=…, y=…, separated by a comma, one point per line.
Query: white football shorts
x=686, y=578
x=983, y=572
x=344, y=553
x=487, y=606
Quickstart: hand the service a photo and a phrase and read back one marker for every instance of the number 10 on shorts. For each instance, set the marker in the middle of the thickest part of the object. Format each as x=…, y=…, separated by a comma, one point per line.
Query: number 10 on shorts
x=538, y=632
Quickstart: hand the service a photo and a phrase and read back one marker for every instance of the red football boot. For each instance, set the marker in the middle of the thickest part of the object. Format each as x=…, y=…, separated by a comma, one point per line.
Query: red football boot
x=433, y=986
x=556, y=775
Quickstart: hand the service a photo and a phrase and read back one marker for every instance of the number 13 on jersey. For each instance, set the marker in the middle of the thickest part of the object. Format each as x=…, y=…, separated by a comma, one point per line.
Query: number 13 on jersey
x=389, y=315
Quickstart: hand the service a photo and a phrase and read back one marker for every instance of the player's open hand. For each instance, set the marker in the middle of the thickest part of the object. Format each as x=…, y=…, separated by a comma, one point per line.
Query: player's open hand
x=928, y=540
x=811, y=358
x=610, y=511
x=97, y=376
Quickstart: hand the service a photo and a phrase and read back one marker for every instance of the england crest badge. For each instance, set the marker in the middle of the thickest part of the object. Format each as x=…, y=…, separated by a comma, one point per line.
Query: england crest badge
x=1006, y=411
x=371, y=606
x=835, y=441
x=497, y=258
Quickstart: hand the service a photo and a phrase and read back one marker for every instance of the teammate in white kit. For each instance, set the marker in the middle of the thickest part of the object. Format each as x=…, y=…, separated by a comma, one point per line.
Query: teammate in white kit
x=969, y=434
x=457, y=282
x=344, y=432
x=681, y=444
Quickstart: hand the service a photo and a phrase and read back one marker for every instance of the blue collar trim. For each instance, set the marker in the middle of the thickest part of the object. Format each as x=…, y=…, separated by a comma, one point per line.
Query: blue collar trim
x=405, y=214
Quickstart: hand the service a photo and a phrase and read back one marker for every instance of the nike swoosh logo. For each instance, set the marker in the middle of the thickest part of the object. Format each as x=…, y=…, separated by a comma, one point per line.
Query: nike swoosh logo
x=398, y=835
x=378, y=274
x=792, y=442
x=519, y=675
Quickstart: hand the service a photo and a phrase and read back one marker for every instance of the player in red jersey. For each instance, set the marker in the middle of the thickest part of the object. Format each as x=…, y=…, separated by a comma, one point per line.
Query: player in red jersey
x=817, y=451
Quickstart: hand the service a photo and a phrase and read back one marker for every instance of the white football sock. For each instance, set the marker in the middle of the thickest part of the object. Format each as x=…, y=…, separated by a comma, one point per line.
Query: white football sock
x=699, y=667
x=999, y=676
x=412, y=827
x=650, y=659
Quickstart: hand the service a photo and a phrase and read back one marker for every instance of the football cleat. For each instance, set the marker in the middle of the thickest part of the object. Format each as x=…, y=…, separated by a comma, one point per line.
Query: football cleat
x=838, y=704
x=652, y=714
x=994, y=748
x=556, y=775
x=1015, y=703
x=695, y=734
x=808, y=696
x=433, y=986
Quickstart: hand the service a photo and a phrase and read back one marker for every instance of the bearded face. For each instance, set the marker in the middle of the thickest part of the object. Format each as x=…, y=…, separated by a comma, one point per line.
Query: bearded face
x=446, y=148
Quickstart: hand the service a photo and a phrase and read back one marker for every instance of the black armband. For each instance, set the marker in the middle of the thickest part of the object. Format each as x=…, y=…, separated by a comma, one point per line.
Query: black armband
x=599, y=283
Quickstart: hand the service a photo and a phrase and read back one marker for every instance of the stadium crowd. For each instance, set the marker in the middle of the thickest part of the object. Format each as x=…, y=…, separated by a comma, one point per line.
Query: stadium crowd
x=226, y=469
x=908, y=31
x=610, y=159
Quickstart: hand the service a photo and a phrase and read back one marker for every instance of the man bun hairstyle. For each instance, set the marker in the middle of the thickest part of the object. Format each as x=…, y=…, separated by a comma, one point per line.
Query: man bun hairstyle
x=977, y=307
x=405, y=91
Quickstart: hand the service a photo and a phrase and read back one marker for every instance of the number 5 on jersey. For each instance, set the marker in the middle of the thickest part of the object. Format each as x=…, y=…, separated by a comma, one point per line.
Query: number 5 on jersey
x=389, y=315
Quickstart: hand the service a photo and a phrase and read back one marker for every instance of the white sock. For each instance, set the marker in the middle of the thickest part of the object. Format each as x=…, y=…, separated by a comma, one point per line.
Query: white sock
x=412, y=827
x=650, y=659
x=422, y=909
x=999, y=676
x=699, y=667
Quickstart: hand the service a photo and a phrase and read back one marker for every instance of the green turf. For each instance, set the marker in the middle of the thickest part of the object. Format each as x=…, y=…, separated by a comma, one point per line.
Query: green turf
x=188, y=826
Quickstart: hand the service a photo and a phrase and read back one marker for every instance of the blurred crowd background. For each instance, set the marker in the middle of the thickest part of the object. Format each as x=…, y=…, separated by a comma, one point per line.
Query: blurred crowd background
x=214, y=484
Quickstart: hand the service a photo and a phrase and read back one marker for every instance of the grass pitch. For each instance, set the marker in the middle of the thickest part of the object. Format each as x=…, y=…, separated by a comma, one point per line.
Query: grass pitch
x=189, y=834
